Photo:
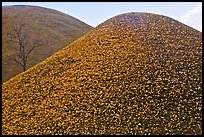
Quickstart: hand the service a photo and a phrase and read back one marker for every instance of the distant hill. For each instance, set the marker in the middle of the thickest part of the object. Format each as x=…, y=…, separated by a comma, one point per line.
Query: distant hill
x=56, y=28
x=136, y=73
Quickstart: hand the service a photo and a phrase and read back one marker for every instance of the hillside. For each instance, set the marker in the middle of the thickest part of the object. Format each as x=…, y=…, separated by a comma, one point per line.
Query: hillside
x=55, y=28
x=136, y=73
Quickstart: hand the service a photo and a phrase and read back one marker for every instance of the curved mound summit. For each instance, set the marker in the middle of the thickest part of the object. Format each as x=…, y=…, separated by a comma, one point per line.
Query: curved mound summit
x=136, y=73
x=55, y=28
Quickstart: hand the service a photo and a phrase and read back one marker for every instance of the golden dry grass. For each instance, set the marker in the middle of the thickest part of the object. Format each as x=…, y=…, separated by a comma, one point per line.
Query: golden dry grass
x=136, y=73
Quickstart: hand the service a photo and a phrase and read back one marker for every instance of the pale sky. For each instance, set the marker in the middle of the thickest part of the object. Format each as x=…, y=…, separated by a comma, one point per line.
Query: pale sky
x=94, y=13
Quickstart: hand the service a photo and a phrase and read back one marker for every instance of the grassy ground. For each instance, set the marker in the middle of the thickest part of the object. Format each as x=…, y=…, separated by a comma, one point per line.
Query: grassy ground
x=133, y=74
x=56, y=28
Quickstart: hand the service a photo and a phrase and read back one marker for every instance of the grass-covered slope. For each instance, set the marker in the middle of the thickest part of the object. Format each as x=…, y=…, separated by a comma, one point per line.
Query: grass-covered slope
x=55, y=28
x=136, y=73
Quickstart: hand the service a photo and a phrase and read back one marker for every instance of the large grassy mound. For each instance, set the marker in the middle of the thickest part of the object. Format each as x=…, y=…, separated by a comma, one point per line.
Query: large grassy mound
x=136, y=73
x=55, y=28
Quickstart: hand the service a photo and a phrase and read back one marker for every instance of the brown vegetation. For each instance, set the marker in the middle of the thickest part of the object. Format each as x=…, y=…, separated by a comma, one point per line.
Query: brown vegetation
x=136, y=73
x=53, y=27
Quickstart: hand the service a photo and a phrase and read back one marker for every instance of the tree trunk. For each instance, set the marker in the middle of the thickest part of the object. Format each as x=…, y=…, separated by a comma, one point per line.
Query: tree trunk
x=24, y=67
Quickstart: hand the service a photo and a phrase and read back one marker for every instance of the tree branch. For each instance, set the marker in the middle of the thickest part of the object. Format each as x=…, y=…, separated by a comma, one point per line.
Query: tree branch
x=18, y=62
x=20, y=37
x=37, y=43
x=12, y=38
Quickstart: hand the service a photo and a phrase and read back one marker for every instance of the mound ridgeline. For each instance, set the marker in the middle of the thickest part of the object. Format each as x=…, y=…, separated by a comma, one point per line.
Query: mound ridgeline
x=136, y=73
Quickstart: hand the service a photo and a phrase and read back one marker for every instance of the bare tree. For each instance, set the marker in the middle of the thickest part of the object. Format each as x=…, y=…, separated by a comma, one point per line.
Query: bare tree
x=20, y=38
